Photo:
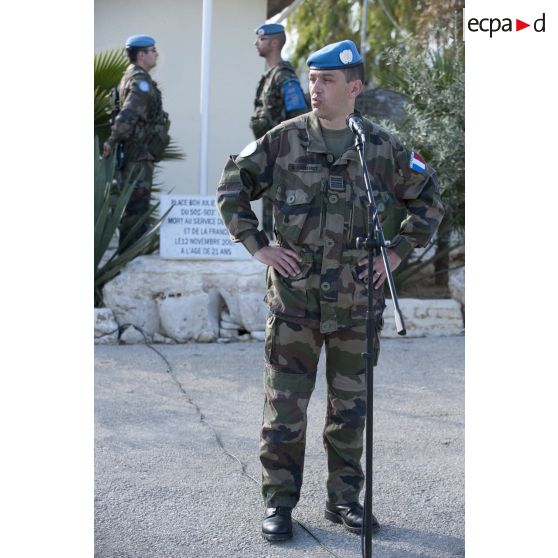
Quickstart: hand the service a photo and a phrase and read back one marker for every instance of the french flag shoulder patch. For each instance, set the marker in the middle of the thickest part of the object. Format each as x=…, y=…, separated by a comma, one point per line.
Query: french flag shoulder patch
x=416, y=162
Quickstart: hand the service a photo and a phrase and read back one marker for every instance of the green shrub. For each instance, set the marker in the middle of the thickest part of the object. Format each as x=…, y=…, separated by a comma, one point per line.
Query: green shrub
x=434, y=84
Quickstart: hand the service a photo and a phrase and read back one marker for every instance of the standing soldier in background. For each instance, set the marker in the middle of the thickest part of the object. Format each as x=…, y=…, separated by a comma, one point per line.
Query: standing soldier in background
x=279, y=95
x=317, y=279
x=140, y=131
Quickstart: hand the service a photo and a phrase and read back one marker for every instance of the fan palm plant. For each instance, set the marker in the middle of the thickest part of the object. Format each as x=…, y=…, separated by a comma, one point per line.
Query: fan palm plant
x=108, y=66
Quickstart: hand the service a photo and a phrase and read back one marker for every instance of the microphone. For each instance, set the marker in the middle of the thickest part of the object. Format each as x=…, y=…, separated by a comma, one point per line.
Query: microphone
x=355, y=123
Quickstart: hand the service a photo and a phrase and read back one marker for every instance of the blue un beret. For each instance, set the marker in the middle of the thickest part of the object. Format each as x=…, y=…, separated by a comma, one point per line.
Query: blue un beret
x=270, y=29
x=335, y=57
x=139, y=41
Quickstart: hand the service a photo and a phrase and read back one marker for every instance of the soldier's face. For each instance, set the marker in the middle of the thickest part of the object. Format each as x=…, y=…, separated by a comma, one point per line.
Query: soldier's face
x=150, y=56
x=263, y=45
x=331, y=95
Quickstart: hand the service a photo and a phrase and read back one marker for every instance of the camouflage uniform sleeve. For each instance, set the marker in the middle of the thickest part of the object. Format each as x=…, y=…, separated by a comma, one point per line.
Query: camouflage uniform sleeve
x=244, y=179
x=134, y=108
x=420, y=193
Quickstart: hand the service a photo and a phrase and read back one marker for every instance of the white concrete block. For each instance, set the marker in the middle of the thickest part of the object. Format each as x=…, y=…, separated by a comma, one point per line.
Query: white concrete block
x=161, y=339
x=132, y=336
x=185, y=317
x=106, y=328
x=430, y=317
x=456, y=284
x=228, y=333
x=258, y=335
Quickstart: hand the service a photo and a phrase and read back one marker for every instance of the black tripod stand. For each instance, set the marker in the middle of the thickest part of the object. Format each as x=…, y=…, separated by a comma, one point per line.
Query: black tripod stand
x=374, y=244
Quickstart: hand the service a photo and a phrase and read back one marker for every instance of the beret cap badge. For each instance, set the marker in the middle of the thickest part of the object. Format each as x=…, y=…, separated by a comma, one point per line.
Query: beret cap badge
x=346, y=56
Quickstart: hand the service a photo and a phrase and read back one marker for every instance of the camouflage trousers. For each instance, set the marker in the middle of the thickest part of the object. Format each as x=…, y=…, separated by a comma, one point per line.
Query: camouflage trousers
x=139, y=201
x=291, y=359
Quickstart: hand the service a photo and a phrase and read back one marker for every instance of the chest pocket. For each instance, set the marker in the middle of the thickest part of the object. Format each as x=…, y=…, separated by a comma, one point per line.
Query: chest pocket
x=297, y=215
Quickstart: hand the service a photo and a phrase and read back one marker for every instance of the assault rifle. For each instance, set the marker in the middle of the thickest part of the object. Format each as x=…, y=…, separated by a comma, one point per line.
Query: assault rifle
x=120, y=155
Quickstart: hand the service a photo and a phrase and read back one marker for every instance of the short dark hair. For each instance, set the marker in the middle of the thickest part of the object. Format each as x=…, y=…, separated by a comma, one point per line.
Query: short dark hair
x=132, y=53
x=281, y=37
x=353, y=73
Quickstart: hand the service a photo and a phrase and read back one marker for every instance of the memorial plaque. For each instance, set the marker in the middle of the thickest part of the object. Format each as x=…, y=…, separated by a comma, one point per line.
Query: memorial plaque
x=194, y=230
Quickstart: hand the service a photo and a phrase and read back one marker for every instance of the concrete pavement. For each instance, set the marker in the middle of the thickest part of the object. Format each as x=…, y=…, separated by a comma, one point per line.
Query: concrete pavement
x=176, y=460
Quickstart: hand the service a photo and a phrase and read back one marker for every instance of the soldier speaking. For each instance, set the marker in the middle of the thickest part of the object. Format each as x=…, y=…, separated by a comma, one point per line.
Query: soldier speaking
x=140, y=131
x=317, y=279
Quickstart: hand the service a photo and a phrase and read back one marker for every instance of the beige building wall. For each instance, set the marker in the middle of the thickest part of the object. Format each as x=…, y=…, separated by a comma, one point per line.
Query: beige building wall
x=235, y=71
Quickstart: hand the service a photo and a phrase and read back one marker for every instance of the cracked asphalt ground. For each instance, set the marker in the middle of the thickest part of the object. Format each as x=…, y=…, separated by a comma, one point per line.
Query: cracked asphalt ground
x=176, y=456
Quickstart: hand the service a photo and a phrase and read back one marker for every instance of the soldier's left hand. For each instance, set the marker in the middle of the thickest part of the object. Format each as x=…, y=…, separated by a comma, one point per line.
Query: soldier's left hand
x=379, y=271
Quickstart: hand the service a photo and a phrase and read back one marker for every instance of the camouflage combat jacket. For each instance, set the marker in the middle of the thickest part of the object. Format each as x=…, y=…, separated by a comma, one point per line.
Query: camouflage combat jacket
x=141, y=125
x=320, y=208
x=269, y=106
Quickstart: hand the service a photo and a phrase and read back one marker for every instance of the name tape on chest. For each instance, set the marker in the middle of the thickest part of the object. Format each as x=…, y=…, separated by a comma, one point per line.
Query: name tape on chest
x=304, y=167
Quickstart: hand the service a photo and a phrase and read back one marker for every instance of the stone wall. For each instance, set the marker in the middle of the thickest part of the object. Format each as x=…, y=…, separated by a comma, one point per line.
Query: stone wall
x=182, y=301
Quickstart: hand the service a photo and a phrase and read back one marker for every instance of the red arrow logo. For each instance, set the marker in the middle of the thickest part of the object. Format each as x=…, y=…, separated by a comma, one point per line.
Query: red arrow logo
x=519, y=25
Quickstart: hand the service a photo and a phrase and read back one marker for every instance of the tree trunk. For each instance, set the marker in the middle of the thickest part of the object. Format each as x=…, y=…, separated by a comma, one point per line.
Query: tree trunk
x=441, y=266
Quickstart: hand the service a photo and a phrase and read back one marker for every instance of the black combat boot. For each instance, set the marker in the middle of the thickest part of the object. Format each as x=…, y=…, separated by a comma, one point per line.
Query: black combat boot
x=350, y=515
x=277, y=524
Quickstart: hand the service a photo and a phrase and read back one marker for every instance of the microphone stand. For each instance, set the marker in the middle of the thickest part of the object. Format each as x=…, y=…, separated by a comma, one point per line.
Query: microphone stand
x=374, y=243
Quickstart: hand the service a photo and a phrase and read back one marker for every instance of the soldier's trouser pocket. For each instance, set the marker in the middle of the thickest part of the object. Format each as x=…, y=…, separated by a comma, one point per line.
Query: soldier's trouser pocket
x=346, y=412
x=291, y=357
x=291, y=350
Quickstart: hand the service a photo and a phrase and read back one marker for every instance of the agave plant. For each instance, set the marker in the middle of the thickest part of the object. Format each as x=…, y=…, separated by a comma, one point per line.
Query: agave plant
x=109, y=66
x=109, y=206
